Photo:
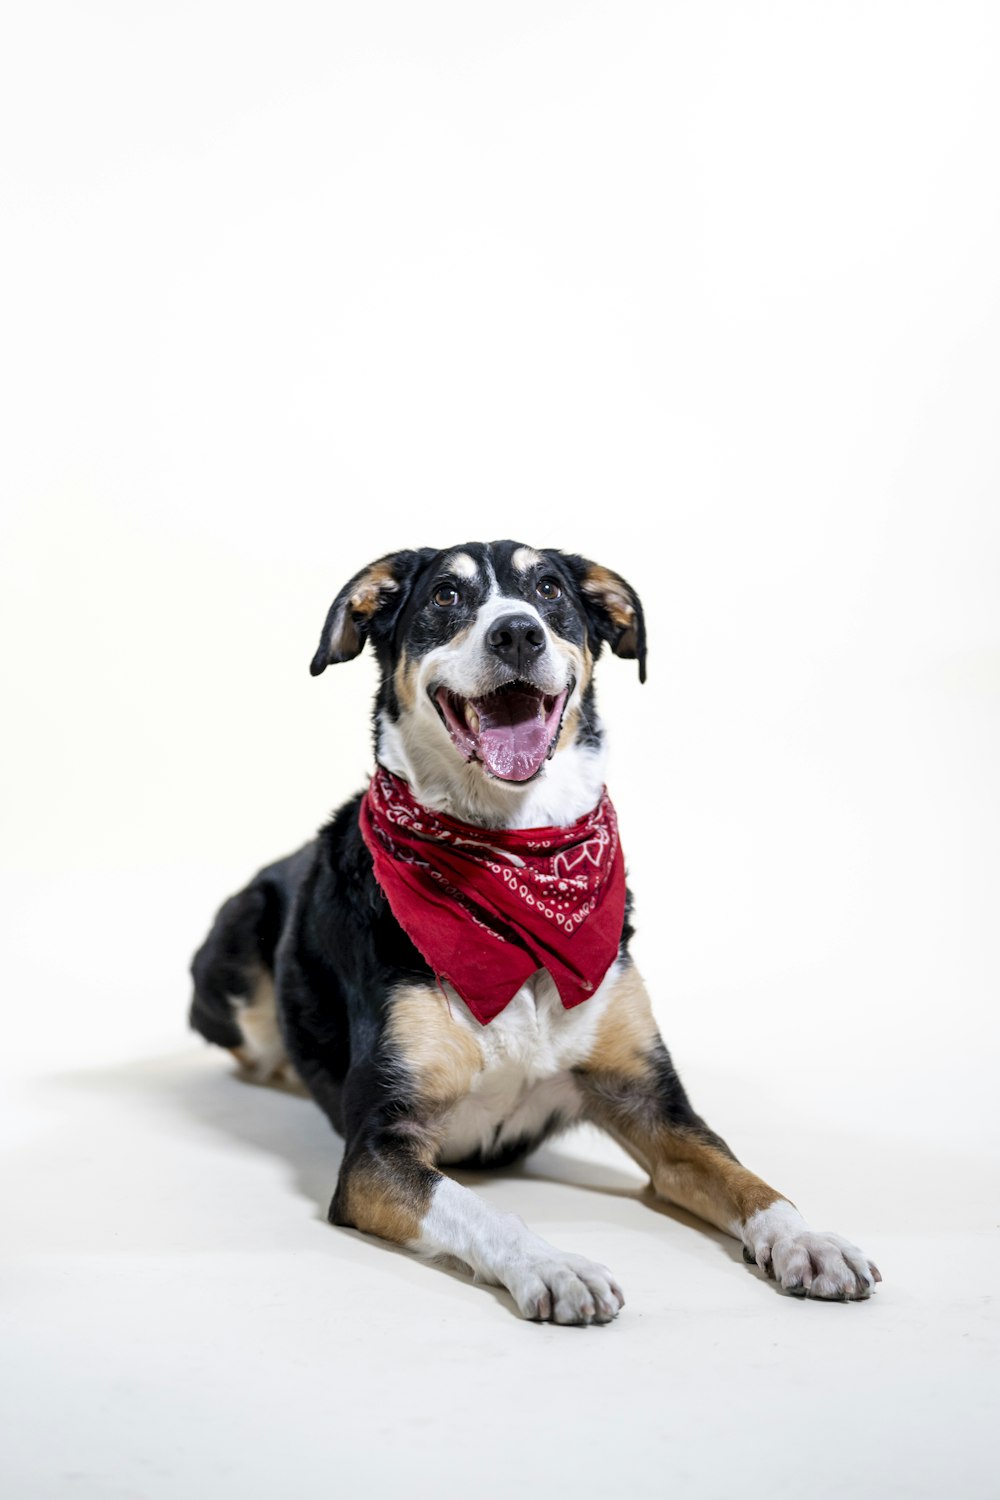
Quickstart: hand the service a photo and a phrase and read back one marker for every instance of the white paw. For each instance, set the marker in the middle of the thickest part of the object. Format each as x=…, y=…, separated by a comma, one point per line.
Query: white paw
x=808, y=1262
x=558, y=1288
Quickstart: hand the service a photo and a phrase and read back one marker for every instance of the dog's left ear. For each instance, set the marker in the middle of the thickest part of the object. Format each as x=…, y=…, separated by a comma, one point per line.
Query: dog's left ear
x=367, y=605
x=613, y=609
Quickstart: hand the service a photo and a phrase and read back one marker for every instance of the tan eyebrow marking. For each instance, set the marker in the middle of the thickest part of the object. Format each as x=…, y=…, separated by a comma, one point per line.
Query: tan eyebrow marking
x=526, y=558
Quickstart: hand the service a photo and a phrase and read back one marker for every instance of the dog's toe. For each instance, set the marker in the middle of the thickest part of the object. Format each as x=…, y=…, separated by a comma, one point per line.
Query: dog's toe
x=823, y=1266
x=569, y=1290
x=805, y=1262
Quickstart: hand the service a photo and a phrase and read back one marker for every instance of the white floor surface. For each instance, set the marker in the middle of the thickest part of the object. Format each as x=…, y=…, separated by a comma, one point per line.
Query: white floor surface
x=179, y=1320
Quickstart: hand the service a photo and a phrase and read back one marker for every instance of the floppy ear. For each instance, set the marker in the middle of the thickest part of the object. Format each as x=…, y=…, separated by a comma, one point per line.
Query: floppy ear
x=370, y=602
x=613, y=609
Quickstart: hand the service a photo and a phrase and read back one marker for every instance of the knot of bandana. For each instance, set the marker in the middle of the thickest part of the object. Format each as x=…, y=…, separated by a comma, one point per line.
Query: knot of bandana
x=487, y=907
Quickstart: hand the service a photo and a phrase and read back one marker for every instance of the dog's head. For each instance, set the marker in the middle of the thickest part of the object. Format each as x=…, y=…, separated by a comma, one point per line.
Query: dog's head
x=486, y=652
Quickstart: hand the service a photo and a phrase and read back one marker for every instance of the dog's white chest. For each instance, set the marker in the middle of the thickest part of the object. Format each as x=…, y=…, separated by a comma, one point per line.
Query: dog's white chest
x=529, y=1052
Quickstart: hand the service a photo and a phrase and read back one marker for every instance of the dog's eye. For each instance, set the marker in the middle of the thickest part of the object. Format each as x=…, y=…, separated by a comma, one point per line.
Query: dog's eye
x=547, y=588
x=446, y=595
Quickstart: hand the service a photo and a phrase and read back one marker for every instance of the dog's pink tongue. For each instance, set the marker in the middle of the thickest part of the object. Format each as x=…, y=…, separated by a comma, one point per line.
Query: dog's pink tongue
x=513, y=736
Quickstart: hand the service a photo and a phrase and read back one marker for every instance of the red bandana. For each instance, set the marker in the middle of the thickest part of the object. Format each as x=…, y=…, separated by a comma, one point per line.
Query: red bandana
x=486, y=907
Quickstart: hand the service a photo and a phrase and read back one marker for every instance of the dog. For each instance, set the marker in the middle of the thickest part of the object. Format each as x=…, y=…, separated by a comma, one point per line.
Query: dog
x=446, y=966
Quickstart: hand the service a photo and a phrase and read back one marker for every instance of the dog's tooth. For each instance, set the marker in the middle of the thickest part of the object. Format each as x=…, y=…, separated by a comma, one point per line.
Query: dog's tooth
x=471, y=718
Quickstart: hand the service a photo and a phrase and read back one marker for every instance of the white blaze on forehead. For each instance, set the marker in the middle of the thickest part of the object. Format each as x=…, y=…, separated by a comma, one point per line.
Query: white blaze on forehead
x=526, y=558
x=462, y=565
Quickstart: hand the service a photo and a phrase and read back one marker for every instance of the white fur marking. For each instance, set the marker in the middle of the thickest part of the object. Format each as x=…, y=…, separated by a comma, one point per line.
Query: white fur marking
x=808, y=1262
x=525, y=558
x=528, y=1053
x=499, y=1248
x=462, y=565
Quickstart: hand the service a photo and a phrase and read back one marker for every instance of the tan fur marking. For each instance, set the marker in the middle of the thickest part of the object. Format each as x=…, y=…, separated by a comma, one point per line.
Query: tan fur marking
x=368, y=591
x=582, y=665
x=461, y=636
x=610, y=589
x=626, y=1032
x=694, y=1174
x=613, y=595
x=406, y=682
x=704, y=1180
x=684, y=1169
x=570, y=725
x=437, y=1050
x=258, y=1021
x=378, y=1202
x=262, y=1050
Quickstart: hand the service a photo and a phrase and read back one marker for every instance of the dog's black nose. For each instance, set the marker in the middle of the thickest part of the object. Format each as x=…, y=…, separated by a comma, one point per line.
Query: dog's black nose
x=517, y=640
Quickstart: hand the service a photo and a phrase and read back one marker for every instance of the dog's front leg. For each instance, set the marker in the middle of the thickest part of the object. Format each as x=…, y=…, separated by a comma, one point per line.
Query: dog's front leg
x=389, y=1187
x=631, y=1089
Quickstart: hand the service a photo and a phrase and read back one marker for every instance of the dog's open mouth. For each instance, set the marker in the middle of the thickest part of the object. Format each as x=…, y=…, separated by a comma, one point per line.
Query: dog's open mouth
x=512, y=731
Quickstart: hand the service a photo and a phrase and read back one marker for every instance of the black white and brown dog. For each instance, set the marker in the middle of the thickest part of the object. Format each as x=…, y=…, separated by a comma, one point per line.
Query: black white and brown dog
x=446, y=967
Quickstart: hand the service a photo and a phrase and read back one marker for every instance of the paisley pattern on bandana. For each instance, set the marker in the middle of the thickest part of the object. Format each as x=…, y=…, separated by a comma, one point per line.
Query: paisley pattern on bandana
x=487, y=907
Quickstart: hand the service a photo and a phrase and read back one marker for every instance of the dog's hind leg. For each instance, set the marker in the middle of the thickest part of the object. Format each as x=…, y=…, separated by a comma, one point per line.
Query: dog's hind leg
x=233, y=1004
x=631, y=1089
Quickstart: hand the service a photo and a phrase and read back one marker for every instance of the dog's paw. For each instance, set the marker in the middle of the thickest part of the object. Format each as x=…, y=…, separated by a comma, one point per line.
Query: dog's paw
x=807, y=1262
x=558, y=1288
x=819, y=1264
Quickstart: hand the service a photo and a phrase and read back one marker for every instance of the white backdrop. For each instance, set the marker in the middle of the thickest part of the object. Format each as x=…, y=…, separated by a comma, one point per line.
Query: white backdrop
x=706, y=291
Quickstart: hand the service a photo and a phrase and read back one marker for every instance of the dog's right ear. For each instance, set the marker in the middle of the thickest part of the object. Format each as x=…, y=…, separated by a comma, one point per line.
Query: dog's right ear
x=368, y=605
